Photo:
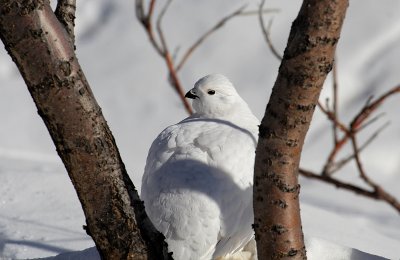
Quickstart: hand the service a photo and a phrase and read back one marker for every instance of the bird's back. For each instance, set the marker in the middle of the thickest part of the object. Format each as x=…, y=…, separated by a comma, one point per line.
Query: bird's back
x=197, y=186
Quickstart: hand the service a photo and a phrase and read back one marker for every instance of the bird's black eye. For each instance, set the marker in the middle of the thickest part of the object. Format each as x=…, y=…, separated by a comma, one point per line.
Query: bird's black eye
x=211, y=92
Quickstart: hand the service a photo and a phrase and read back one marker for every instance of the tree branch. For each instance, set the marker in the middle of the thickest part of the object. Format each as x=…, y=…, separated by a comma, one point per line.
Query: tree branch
x=371, y=107
x=161, y=48
x=307, y=60
x=267, y=32
x=145, y=20
x=358, y=123
x=336, y=166
x=65, y=13
x=338, y=183
x=377, y=193
x=44, y=54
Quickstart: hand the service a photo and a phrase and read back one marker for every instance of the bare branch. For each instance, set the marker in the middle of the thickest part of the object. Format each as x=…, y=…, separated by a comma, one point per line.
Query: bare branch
x=176, y=82
x=277, y=223
x=337, y=183
x=371, y=121
x=338, y=165
x=332, y=118
x=360, y=167
x=355, y=126
x=378, y=193
x=266, y=32
x=350, y=132
x=371, y=107
x=162, y=47
x=145, y=20
x=213, y=29
x=65, y=13
x=115, y=215
x=159, y=29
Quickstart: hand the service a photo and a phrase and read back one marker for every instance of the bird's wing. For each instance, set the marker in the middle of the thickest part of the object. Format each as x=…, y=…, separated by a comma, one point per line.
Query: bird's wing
x=233, y=152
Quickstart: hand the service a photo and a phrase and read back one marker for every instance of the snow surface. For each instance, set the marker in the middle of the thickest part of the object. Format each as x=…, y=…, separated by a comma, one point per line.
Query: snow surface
x=40, y=215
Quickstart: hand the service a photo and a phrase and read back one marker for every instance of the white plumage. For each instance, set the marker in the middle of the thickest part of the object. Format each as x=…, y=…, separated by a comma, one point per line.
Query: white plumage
x=198, y=180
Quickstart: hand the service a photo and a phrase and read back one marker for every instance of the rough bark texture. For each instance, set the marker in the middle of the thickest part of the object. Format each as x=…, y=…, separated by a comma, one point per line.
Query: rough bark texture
x=44, y=54
x=307, y=60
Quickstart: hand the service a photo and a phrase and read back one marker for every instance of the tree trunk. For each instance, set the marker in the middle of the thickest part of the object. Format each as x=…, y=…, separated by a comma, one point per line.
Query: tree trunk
x=307, y=60
x=44, y=54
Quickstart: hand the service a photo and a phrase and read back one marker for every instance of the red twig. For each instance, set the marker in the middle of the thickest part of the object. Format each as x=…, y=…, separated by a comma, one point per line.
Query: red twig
x=371, y=107
x=337, y=183
x=378, y=193
x=339, y=164
x=161, y=48
x=357, y=124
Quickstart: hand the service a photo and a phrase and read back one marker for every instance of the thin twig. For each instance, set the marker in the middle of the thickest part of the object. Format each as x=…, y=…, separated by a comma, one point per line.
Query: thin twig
x=176, y=83
x=159, y=29
x=332, y=118
x=337, y=183
x=213, y=29
x=371, y=107
x=145, y=20
x=355, y=126
x=266, y=32
x=339, y=164
x=65, y=13
x=360, y=167
x=174, y=80
x=161, y=48
x=378, y=194
x=350, y=132
x=371, y=121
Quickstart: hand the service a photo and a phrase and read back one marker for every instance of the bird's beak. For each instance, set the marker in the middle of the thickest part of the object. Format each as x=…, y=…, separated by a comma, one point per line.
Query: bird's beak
x=191, y=95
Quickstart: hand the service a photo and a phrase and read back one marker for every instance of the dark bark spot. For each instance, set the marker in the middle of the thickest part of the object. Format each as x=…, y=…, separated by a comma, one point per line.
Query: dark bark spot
x=278, y=229
x=292, y=252
x=28, y=6
x=280, y=203
x=325, y=68
x=305, y=108
x=37, y=34
x=272, y=113
x=265, y=132
x=281, y=185
x=65, y=68
x=267, y=161
x=292, y=142
x=82, y=91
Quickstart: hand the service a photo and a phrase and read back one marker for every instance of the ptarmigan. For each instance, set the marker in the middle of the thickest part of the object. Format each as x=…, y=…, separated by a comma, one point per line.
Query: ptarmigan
x=198, y=180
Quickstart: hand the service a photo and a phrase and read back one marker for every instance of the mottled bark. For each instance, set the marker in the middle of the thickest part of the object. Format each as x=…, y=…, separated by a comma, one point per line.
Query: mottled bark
x=44, y=53
x=307, y=60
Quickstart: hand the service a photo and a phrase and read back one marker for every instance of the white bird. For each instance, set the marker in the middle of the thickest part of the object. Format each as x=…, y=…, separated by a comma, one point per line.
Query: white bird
x=198, y=180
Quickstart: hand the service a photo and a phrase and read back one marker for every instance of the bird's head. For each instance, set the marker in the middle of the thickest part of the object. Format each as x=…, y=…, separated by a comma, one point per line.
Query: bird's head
x=215, y=96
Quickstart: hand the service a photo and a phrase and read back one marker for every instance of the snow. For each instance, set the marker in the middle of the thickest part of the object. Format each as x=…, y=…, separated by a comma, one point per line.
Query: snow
x=40, y=215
